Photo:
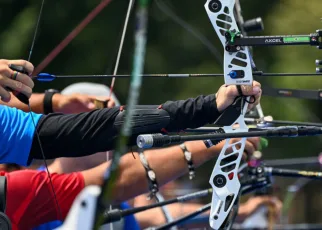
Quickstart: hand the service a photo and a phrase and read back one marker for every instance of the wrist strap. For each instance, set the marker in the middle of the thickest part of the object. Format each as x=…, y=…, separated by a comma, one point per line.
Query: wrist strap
x=188, y=157
x=150, y=174
x=48, y=102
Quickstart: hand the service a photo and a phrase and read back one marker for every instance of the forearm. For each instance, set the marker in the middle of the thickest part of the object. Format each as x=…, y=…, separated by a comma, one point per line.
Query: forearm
x=191, y=113
x=36, y=103
x=155, y=217
x=78, y=164
x=76, y=135
x=168, y=164
x=181, y=209
x=243, y=212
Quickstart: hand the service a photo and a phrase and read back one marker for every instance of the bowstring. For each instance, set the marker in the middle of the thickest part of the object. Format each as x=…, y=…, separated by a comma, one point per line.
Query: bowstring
x=116, y=67
x=36, y=29
x=119, y=53
x=32, y=118
x=185, y=25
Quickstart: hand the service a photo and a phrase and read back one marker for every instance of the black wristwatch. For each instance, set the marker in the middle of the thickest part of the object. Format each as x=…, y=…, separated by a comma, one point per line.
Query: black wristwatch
x=48, y=100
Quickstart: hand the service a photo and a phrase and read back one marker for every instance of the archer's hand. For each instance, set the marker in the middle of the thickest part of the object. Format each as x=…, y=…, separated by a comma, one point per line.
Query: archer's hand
x=226, y=95
x=252, y=144
x=22, y=83
x=251, y=205
x=77, y=103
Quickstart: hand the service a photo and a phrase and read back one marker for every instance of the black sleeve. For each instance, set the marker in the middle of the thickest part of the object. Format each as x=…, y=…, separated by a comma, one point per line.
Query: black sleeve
x=76, y=135
x=191, y=113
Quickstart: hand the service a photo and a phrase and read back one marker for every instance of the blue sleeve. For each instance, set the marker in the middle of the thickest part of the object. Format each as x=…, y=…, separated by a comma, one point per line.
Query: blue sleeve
x=130, y=221
x=16, y=135
x=49, y=226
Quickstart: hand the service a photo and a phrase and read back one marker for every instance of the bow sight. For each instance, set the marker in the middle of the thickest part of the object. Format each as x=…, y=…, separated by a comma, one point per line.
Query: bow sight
x=235, y=42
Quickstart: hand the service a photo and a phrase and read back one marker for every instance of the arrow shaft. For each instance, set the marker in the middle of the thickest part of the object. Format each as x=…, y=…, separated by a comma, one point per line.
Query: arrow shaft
x=171, y=75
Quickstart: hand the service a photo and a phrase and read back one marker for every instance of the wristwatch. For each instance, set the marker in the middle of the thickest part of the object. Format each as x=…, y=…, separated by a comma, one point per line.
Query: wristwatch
x=48, y=100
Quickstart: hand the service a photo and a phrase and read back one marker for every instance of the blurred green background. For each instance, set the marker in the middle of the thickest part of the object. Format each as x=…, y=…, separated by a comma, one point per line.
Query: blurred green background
x=171, y=49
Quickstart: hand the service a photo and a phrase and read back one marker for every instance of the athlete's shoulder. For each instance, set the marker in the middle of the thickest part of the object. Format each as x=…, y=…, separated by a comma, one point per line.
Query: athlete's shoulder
x=17, y=130
x=7, y=111
x=14, y=113
x=40, y=178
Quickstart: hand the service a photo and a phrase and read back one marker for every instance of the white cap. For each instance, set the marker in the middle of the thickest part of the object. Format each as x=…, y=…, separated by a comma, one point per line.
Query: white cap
x=92, y=89
x=89, y=88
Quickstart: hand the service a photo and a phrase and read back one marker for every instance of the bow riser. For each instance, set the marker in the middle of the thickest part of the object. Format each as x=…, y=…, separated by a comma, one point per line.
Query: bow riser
x=237, y=71
x=221, y=15
x=224, y=178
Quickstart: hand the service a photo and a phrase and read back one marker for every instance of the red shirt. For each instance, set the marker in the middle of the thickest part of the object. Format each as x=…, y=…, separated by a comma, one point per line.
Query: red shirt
x=30, y=200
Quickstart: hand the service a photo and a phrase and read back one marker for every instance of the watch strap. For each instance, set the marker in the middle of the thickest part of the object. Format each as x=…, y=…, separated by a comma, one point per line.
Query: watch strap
x=48, y=101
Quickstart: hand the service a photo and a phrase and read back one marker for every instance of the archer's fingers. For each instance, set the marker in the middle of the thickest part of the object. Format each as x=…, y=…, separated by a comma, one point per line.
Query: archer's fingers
x=5, y=70
x=26, y=64
x=109, y=100
x=18, y=87
x=111, y=103
x=247, y=90
x=87, y=101
x=249, y=148
x=253, y=105
x=5, y=96
x=255, y=141
x=24, y=79
x=254, y=90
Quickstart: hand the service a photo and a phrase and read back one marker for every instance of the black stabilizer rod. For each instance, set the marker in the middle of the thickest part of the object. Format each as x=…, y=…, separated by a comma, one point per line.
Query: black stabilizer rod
x=293, y=173
x=309, y=130
x=183, y=219
x=158, y=140
x=147, y=141
x=245, y=190
x=279, y=122
x=117, y=214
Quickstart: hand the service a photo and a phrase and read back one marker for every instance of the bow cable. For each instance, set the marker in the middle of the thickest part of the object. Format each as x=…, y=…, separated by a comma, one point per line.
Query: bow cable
x=185, y=25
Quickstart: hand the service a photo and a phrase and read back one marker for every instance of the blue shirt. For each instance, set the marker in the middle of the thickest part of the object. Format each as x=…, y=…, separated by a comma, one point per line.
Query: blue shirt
x=130, y=222
x=16, y=135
